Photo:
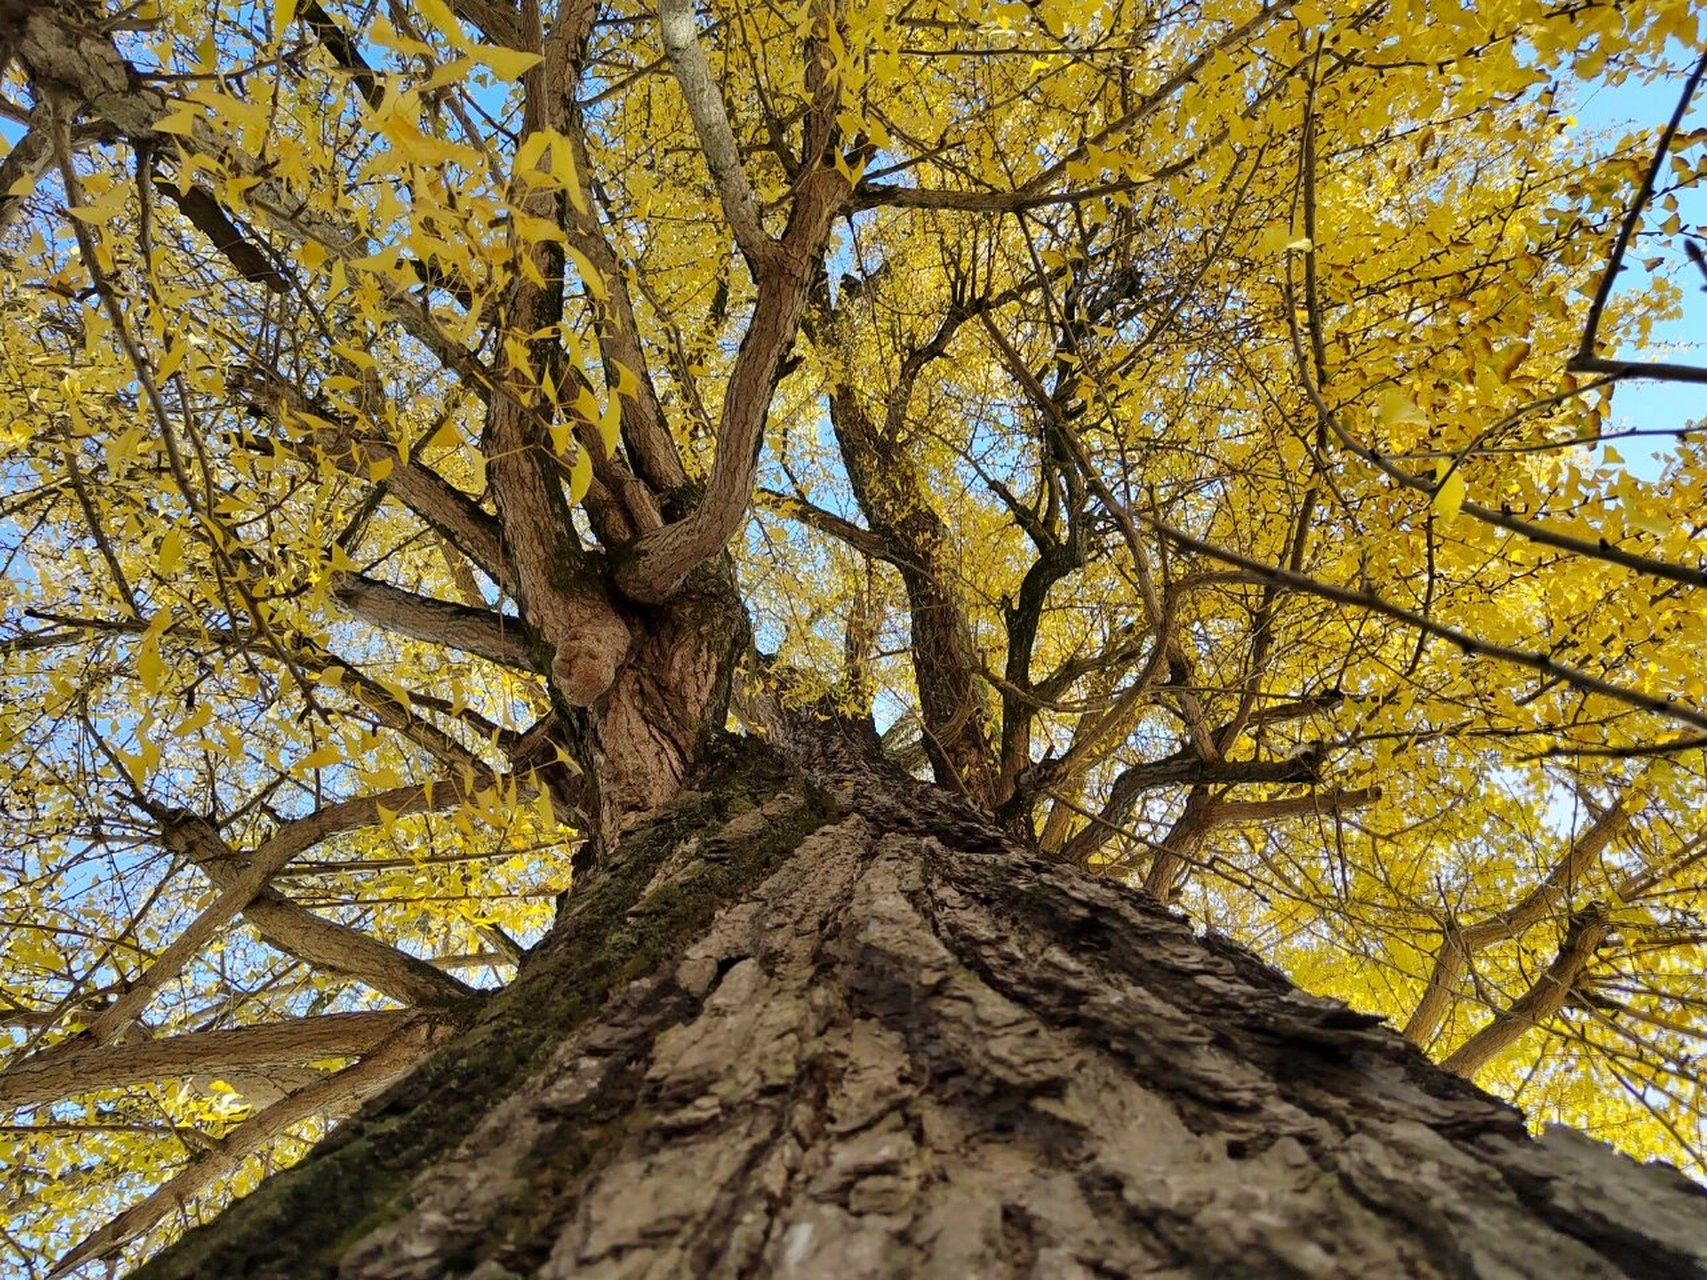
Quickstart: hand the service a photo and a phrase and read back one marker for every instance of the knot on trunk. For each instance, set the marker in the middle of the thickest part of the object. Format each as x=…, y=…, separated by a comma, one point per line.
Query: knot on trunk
x=589, y=647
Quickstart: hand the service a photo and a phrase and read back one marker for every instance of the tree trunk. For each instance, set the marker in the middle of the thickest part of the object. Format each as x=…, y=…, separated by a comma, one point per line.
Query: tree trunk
x=840, y=1026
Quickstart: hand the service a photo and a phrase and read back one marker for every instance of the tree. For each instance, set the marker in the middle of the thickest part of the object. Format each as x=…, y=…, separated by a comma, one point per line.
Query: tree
x=460, y=456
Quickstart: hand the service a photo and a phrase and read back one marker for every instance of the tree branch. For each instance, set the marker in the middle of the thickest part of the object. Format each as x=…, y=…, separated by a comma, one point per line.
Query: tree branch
x=716, y=138
x=1586, y=359
x=335, y=1035
x=326, y=945
x=335, y=1095
x=1542, y=662
x=483, y=632
x=30, y=157
x=1458, y=943
x=656, y=565
x=1588, y=929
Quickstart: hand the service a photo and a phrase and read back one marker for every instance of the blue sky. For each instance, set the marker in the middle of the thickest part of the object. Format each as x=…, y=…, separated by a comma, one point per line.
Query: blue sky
x=1650, y=405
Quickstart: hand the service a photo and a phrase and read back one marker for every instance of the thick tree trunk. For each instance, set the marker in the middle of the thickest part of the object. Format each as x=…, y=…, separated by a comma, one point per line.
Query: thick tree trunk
x=843, y=1028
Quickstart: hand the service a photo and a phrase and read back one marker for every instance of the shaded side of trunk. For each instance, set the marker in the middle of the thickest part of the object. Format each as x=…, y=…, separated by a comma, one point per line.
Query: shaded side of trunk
x=844, y=1028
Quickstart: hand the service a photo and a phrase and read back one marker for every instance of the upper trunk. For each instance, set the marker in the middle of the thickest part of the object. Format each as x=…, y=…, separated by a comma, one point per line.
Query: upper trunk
x=841, y=1026
x=669, y=696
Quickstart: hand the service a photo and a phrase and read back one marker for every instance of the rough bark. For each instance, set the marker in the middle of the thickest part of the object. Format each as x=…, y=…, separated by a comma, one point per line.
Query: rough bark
x=841, y=1026
x=669, y=695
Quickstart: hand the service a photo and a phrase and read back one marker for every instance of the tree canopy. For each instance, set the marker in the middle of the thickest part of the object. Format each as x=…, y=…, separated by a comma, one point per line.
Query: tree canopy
x=1186, y=428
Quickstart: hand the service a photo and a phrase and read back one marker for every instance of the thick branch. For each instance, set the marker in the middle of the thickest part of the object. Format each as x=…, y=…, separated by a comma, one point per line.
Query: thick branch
x=336, y=1095
x=209, y=217
x=498, y=20
x=333, y=1035
x=1183, y=770
x=344, y=51
x=861, y=540
x=22, y=166
x=1589, y=928
x=1459, y=942
x=716, y=138
x=482, y=632
x=324, y=944
x=897, y=505
x=265, y=862
x=656, y=566
x=1335, y=800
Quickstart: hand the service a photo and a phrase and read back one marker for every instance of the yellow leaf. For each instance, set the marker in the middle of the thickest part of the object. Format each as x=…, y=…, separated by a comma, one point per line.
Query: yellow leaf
x=544, y=813
x=1513, y=356
x=627, y=381
x=610, y=424
x=1449, y=492
x=580, y=475
x=181, y=122
x=1396, y=407
x=34, y=948
x=439, y=14
x=563, y=169
x=197, y=721
x=445, y=73
x=586, y=404
x=172, y=360
x=171, y=553
x=283, y=15
x=103, y=209
x=1279, y=238
x=506, y=64
x=150, y=666
x=591, y=278
x=321, y=758
x=1646, y=521
x=147, y=756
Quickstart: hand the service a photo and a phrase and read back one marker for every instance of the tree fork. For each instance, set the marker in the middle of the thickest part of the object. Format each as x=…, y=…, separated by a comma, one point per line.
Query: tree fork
x=839, y=1025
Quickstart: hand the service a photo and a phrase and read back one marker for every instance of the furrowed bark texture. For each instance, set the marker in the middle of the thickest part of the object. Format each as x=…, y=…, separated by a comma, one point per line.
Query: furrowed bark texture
x=845, y=1028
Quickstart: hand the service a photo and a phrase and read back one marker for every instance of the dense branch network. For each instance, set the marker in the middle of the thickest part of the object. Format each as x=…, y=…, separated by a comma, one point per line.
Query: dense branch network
x=434, y=421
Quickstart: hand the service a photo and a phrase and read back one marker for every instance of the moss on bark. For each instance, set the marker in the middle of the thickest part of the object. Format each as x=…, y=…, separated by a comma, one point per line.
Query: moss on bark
x=619, y=926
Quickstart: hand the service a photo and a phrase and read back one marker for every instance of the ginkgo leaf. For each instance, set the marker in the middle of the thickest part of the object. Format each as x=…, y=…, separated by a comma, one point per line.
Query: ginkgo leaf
x=1281, y=238
x=1636, y=516
x=149, y=665
x=440, y=15
x=103, y=209
x=180, y=121
x=1395, y=408
x=321, y=758
x=1449, y=491
x=196, y=721
x=580, y=475
x=171, y=553
x=506, y=64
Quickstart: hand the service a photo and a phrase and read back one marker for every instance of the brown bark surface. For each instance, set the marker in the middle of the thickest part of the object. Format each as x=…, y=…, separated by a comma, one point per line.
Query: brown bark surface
x=843, y=1027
